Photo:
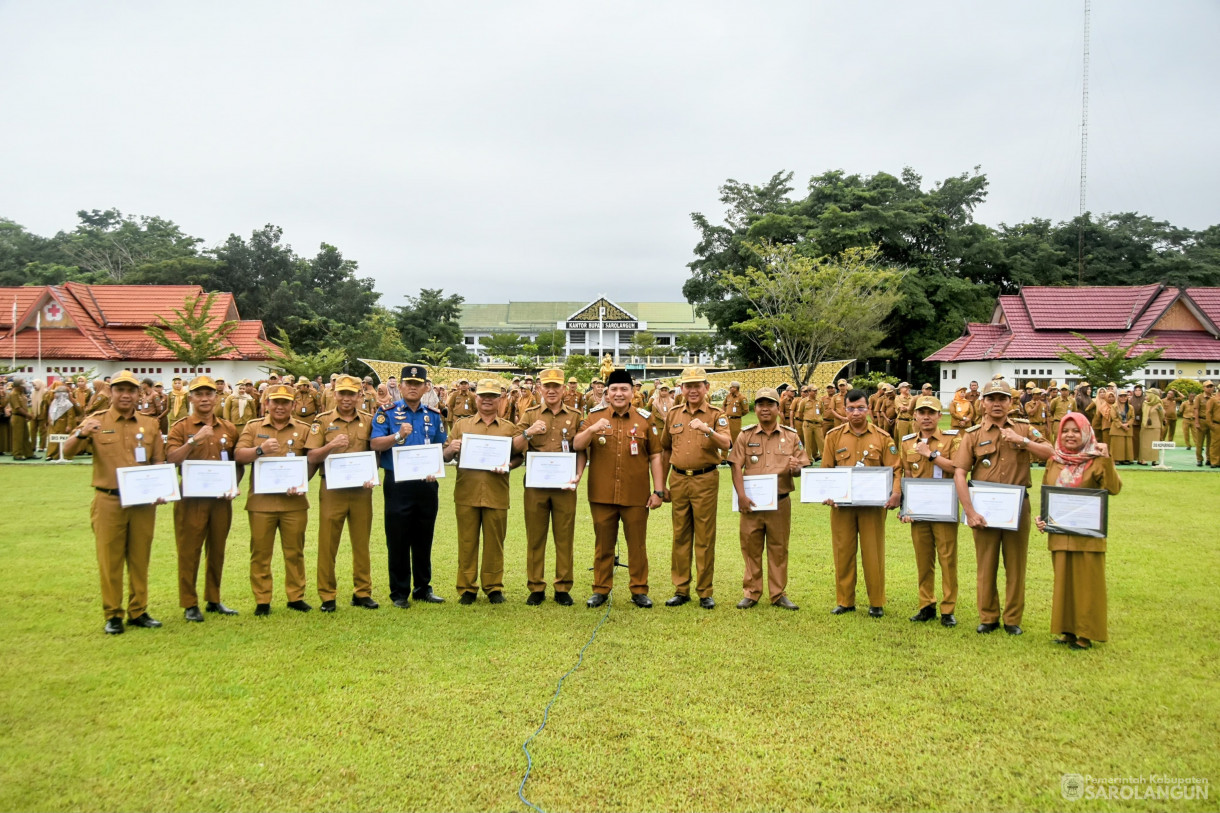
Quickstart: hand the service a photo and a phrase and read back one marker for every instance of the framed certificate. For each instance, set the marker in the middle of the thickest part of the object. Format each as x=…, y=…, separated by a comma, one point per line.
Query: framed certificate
x=870, y=486
x=485, y=452
x=143, y=485
x=1075, y=511
x=208, y=478
x=762, y=489
x=275, y=475
x=819, y=485
x=548, y=469
x=418, y=462
x=350, y=470
x=999, y=503
x=929, y=500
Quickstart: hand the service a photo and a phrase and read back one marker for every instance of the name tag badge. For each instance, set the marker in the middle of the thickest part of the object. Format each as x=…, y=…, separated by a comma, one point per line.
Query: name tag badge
x=141, y=455
x=635, y=446
x=564, y=444
x=224, y=456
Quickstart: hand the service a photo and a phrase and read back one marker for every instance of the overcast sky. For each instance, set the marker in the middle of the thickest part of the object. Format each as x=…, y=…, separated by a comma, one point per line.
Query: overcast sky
x=555, y=150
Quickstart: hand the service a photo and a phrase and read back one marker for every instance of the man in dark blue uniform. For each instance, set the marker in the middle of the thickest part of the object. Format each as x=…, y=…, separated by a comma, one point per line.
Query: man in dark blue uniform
x=410, y=506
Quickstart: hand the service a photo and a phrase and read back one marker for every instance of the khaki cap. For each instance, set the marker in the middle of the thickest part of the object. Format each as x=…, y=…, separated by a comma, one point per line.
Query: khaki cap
x=1208, y=384
x=200, y=382
x=996, y=386
x=487, y=386
x=551, y=375
x=766, y=394
x=281, y=392
x=928, y=402
x=926, y=387
x=842, y=381
x=1030, y=385
x=573, y=380
x=693, y=375
x=347, y=383
x=125, y=377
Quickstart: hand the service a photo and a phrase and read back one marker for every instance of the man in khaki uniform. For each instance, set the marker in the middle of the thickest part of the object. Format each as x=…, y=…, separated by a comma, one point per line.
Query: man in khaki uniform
x=998, y=450
x=461, y=403
x=1203, y=423
x=595, y=396
x=177, y=403
x=1059, y=406
x=797, y=409
x=550, y=427
x=812, y=430
x=695, y=434
x=624, y=450
x=766, y=448
x=838, y=406
x=329, y=395
x=736, y=407
x=859, y=443
x=201, y=522
x=481, y=500
x=927, y=453
x=572, y=396
x=21, y=418
x=1213, y=437
x=343, y=430
x=904, y=409
x=277, y=434
x=121, y=438
x=305, y=403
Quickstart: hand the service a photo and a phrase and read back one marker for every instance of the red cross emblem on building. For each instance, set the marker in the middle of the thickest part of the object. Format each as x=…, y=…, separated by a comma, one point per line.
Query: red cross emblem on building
x=54, y=312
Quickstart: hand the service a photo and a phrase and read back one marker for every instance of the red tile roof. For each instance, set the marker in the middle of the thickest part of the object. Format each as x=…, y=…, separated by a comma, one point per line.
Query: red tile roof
x=1108, y=308
x=1208, y=301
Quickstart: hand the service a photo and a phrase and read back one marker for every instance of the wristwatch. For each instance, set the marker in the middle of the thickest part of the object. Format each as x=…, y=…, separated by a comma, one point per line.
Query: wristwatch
x=190, y=441
x=660, y=494
x=934, y=455
x=258, y=451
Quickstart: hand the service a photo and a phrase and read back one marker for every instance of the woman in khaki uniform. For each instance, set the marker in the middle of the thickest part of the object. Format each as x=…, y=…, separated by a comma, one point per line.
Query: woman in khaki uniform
x=1078, y=606
x=1122, y=435
x=1151, y=424
x=1169, y=429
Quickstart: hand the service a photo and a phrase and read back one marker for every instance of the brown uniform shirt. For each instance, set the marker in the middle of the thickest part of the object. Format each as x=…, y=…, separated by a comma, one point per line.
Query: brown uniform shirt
x=572, y=398
x=560, y=427
x=874, y=447
x=461, y=405
x=735, y=406
x=989, y=459
x=759, y=452
x=115, y=443
x=812, y=411
x=179, y=405
x=240, y=411
x=224, y=438
x=615, y=475
x=253, y=435
x=329, y=425
x=481, y=489
x=305, y=406
x=592, y=400
x=689, y=449
x=945, y=441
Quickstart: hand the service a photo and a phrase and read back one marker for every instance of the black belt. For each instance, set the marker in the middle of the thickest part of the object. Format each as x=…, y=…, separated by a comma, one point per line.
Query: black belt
x=113, y=492
x=783, y=496
x=692, y=472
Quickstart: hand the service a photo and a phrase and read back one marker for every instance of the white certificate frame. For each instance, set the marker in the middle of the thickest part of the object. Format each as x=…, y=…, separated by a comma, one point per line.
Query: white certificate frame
x=555, y=464
x=768, y=483
x=485, y=452
x=295, y=461
x=1049, y=493
x=340, y=460
x=144, y=485
x=819, y=484
x=910, y=488
x=406, y=462
x=190, y=485
x=858, y=473
x=1012, y=498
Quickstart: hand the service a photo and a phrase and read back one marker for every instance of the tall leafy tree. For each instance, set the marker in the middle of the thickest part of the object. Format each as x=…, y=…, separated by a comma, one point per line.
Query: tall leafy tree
x=109, y=242
x=198, y=334
x=1101, y=364
x=430, y=321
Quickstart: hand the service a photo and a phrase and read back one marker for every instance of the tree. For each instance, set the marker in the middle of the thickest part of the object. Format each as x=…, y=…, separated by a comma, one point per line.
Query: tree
x=550, y=343
x=303, y=365
x=801, y=309
x=696, y=343
x=502, y=345
x=583, y=367
x=643, y=343
x=1100, y=365
x=200, y=334
x=430, y=321
x=112, y=243
x=375, y=336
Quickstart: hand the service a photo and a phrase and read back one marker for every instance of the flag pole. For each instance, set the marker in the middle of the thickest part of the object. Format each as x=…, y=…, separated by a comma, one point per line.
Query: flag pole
x=38, y=330
x=14, y=331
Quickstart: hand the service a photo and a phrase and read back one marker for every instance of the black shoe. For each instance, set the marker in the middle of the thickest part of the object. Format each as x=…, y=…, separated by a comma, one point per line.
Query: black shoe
x=596, y=600
x=365, y=601
x=784, y=603
x=746, y=603
x=495, y=597
x=677, y=601
x=948, y=620
x=467, y=598
x=840, y=609
x=1013, y=629
x=402, y=603
x=925, y=613
x=707, y=603
x=262, y=609
x=641, y=600
x=328, y=606
x=429, y=598
x=146, y=621
x=535, y=598
x=114, y=626
x=299, y=606
x=217, y=607
x=563, y=599
x=192, y=614
x=986, y=628
x=875, y=612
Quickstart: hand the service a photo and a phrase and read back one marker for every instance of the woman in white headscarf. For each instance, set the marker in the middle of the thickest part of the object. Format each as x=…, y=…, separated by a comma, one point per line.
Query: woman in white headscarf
x=62, y=416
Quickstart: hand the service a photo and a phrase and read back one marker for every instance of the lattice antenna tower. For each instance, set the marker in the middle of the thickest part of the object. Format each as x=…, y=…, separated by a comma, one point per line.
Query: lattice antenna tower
x=1084, y=151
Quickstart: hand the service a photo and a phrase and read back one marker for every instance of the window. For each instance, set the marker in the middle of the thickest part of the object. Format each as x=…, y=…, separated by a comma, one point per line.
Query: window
x=955, y=373
x=664, y=341
x=469, y=340
x=576, y=336
x=944, y=374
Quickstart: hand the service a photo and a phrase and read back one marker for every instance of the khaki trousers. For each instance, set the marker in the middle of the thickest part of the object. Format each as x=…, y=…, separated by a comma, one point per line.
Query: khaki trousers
x=557, y=508
x=123, y=536
x=493, y=524
x=868, y=525
x=1013, y=546
x=355, y=507
x=201, y=525
x=694, y=501
x=933, y=541
x=606, y=519
x=1188, y=432
x=1213, y=445
x=291, y=525
x=1202, y=442
x=770, y=530
x=810, y=439
x=734, y=429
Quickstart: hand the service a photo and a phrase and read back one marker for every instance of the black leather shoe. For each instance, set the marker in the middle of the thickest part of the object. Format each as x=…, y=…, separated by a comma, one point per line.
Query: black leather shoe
x=262, y=609
x=707, y=603
x=641, y=600
x=429, y=598
x=746, y=603
x=114, y=626
x=948, y=620
x=535, y=598
x=299, y=606
x=784, y=603
x=192, y=614
x=467, y=598
x=1013, y=629
x=562, y=598
x=875, y=612
x=677, y=601
x=986, y=628
x=596, y=600
x=146, y=621
x=495, y=597
x=217, y=607
x=365, y=601
x=402, y=603
x=840, y=609
x=328, y=606
x=925, y=613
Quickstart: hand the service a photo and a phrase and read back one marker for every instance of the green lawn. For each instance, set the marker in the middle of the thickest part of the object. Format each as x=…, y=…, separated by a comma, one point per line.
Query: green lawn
x=673, y=709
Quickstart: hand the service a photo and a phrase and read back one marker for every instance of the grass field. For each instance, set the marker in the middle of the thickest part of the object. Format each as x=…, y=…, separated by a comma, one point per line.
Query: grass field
x=673, y=709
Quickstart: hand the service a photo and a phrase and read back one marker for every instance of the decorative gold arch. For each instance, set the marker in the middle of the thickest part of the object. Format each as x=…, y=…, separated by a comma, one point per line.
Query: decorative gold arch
x=755, y=378
x=442, y=376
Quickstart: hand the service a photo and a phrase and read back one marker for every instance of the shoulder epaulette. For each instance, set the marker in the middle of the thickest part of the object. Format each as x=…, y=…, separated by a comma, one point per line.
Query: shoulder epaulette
x=321, y=415
x=643, y=412
x=974, y=428
x=949, y=431
x=908, y=437
x=789, y=428
x=1020, y=420
x=180, y=420
x=597, y=408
